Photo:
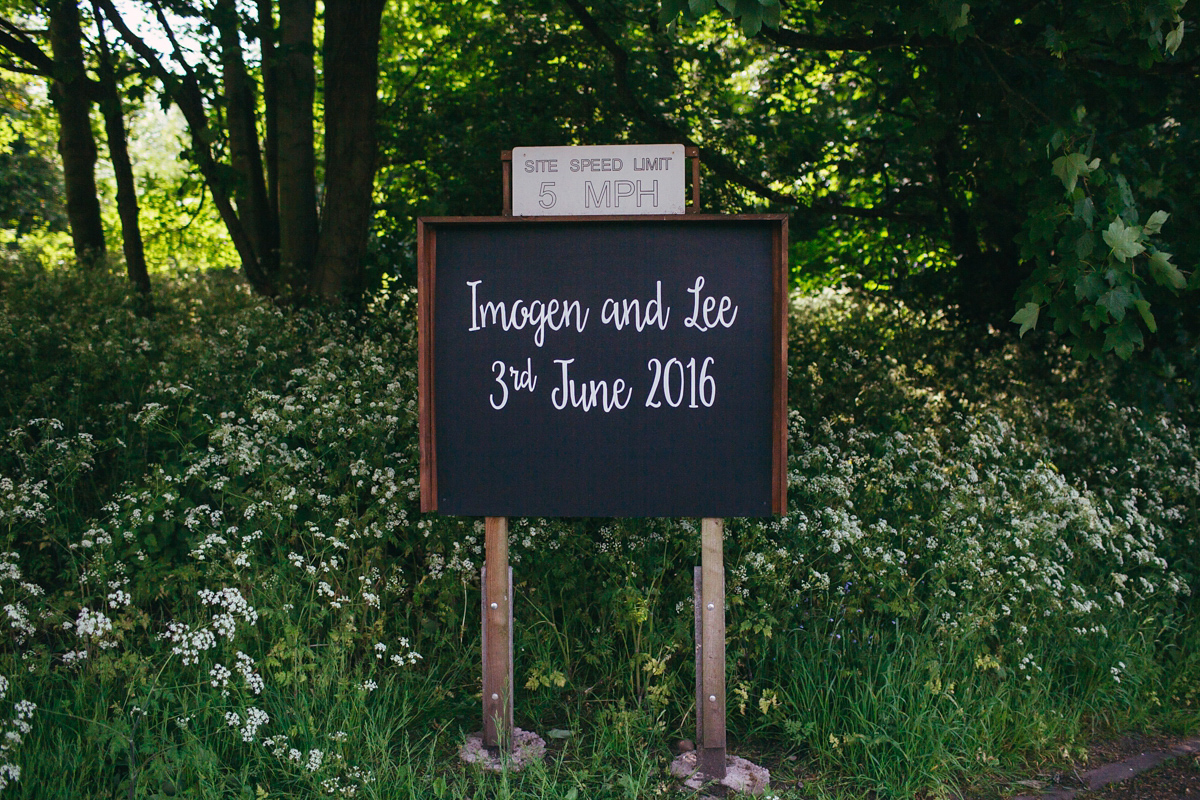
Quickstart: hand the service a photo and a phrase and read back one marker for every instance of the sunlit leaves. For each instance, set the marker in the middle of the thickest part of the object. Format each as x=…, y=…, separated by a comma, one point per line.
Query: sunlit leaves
x=1175, y=38
x=1123, y=239
x=1089, y=291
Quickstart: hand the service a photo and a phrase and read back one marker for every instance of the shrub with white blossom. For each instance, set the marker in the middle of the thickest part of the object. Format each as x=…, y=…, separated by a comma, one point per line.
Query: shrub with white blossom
x=210, y=530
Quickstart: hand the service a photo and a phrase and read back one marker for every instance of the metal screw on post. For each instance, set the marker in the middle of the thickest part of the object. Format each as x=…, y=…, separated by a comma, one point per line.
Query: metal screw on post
x=710, y=652
x=497, y=637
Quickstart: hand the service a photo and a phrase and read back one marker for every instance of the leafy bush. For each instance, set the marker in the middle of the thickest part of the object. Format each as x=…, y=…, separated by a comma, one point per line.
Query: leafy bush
x=218, y=579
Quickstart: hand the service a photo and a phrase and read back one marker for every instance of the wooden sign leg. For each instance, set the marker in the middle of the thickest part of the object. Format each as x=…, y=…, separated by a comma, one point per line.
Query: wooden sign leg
x=710, y=705
x=497, y=636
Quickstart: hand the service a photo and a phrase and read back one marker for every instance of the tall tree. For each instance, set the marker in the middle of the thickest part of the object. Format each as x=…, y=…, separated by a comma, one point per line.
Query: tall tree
x=72, y=95
x=352, y=31
x=266, y=191
x=118, y=149
x=73, y=92
x=296, y=84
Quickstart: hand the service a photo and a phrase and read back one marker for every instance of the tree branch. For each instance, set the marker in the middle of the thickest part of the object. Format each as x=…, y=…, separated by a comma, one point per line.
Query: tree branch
x=186, y=95
x=11, y=67
x=15, y=41
x=176, y=50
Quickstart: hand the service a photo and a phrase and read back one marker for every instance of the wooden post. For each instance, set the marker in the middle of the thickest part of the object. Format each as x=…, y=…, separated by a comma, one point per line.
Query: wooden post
x=693, y=153
x=506, y=179
x=497, y=636
x=710, y=705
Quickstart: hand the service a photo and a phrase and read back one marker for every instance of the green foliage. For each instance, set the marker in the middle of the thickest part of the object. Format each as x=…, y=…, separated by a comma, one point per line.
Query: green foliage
x=752, y=15
x=1095, y=263
x=30, y=178
x=220, y=581
x=908, y=143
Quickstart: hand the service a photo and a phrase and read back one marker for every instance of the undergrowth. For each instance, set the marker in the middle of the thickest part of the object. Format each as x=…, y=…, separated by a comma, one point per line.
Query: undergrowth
x=217, y=582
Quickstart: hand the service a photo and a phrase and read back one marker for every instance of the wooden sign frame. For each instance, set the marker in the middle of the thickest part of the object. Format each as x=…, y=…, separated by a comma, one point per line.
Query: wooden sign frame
x=496, y=583
x=427, y=237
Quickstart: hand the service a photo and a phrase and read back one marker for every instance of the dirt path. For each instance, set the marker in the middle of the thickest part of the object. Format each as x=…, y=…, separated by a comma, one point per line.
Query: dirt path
x=1169, y=770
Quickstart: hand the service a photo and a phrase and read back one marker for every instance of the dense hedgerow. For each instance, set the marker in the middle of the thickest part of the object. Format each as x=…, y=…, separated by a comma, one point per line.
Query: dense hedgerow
x=216, y=575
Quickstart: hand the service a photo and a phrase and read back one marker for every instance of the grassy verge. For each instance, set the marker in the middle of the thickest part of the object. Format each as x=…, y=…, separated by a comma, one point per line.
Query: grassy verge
x=218, y=581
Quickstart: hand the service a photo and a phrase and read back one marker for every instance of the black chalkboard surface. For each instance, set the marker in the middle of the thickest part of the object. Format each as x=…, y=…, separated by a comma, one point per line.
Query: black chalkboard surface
x=603, y=367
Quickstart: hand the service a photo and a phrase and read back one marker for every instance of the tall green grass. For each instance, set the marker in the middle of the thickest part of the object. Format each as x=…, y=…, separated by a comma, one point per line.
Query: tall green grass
x=219, y=582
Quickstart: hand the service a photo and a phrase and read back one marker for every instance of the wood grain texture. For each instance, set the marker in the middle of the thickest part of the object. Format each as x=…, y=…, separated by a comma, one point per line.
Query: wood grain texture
x=697, y=604
x=712, y=752
x=497, y=635
x=694, y=154
x=779, y=398
x=506, y=189
x=427, y=431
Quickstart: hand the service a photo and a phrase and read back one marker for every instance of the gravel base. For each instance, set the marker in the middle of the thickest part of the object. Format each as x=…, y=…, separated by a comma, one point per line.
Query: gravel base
x=527, y=748
x=740, y=775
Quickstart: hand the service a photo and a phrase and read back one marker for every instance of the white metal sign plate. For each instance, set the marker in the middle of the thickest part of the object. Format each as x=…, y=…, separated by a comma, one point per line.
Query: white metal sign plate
x=603, y=179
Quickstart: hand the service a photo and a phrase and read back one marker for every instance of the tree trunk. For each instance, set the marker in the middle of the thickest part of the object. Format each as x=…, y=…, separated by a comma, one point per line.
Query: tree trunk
x=185, y=91
x=266, y=42
x=118, y=150
x=72, y=99
x=250, y=189
x=351, y=76
x=297, y=162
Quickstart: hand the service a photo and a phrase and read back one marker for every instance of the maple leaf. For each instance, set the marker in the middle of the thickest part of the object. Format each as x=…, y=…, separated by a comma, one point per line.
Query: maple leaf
x=1155, y=223
x=1027, y=317
x=1123, y=239
x=1165, y=272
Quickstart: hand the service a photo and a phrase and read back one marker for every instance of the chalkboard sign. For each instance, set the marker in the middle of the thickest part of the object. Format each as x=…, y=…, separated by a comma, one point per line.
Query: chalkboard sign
x=583, y=366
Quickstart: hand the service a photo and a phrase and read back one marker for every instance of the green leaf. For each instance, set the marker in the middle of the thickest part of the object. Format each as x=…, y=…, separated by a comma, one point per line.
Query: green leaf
x=1123, y=239
x=1069, y=167
x=701, y=7
x=1122, y=340
x=1027, y=317
x=752, y=20
x=1155, y=223
x=1085, y=210
x=670, y=10
x=1129, y=207
x=1166, y=273
x=1115, y=301
x=1175, y=38
x=771, y=12
x=1085, y=244
x=1089, y=287
x=963, y=17
x=1143, y=308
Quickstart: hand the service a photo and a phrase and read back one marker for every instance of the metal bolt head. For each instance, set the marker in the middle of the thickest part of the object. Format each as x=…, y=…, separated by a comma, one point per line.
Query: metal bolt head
x=712, y=698
x=711, y=606
x=495, y=696
x=495, y=605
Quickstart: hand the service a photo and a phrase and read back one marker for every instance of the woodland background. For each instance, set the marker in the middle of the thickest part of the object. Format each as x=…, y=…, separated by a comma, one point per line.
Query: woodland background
x=216, y=580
